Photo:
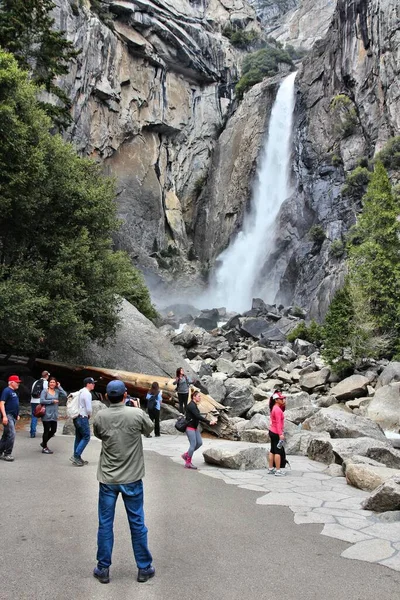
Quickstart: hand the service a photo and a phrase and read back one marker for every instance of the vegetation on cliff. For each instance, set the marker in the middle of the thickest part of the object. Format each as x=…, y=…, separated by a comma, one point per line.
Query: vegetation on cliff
x=364, y=317
x=59, y=277
x=26, y=30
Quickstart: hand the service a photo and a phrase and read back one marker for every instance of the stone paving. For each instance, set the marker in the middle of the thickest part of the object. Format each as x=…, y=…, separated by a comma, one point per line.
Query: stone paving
x=312, y=495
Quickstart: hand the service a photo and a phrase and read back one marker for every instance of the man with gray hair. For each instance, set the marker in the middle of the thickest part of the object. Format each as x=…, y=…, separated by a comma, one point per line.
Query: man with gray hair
x=120, y=471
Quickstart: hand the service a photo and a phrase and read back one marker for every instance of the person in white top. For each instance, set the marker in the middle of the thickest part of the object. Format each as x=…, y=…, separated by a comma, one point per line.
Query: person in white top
x=81, y=423
x=37, y=388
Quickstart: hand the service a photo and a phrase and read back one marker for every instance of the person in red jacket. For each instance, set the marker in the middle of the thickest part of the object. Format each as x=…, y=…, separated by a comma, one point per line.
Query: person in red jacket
x=277, y=454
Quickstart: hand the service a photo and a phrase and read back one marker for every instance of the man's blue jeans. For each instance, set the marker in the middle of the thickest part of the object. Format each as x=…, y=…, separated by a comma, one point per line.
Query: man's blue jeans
x=132, y=495
x=34, y=419
x=82, y=435
x=8, y=437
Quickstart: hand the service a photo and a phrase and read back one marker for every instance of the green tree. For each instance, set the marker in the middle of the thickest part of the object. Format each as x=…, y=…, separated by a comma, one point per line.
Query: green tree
x=26, y=30
x=59, y=278
x=260, y=64
x=374, y=256
x=338, y=328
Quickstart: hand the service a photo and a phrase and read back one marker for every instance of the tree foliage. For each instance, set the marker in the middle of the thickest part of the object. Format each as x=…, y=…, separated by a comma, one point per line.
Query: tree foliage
x=59, y=278
x=26, y=30
x=260, y=64
x=345, y=115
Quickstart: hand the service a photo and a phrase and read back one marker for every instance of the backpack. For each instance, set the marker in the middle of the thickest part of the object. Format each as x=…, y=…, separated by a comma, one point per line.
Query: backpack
x=37, y=388
x=181, y=424
x=152, y=402
x=73, y=405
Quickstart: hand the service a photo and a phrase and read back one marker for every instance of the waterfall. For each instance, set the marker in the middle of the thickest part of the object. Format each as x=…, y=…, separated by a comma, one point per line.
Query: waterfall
x=237, y=278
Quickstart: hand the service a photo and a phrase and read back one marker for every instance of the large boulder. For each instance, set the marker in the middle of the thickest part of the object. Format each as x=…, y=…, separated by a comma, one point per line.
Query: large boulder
x=137, y=347
x=316, y=379
x=384, y=407
x=300, y=414
x=255, y=436
x=390, y=374
x=168, y=427
x=225, y=366
x=254, y=327
x=298, y=442
x=261, y=408
x=267, y=358
x=208, y=319
x=368, y=477
x=215, y=385
x=258, y=421
x=385, y=497
x=243, y=459
x=354, y=386
x=341, y=450
x=340, y=424
x=185, y=338
x=297, y=400
x=239, y=396
x=168, y=412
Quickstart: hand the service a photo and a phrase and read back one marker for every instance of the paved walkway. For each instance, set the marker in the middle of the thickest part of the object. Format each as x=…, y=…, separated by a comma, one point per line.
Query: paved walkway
x=210, y=541
x=313, y=497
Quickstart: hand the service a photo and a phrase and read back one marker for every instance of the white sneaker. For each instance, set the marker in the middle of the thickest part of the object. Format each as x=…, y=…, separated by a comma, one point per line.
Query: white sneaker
x=271, y=471
x=279, y=473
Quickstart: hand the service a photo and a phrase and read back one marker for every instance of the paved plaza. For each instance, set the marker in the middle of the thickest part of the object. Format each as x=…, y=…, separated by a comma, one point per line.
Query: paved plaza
x=257, y=537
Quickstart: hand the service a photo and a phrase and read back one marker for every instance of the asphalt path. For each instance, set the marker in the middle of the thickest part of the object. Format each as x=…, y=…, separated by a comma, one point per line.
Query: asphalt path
x=209, y=540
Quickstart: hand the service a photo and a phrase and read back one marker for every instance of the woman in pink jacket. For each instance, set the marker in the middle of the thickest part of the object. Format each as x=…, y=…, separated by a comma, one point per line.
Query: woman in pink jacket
x=277, y=454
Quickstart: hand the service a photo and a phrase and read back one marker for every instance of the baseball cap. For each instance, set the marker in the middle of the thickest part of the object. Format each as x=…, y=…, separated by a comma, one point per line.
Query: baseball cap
x=88, y=380
x=115, y=388
x=278, y=396
x=14, y=378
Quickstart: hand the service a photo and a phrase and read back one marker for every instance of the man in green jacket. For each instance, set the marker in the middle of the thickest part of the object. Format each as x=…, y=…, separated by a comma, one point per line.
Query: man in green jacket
x=120, y=471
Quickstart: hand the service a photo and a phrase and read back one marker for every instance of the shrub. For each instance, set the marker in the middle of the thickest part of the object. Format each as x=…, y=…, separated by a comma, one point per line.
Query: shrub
x=240, y=38
x=356, y=183
x=345, y=114
x=336, y=160
x=337, y=249
x=311, y=333
x=260, y=64
x=317, y=235
x=390, y=154
x=297, y=311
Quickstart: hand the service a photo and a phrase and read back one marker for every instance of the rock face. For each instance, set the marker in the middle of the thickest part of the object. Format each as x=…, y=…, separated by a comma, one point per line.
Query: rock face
x=138, y=347
x=249, y=458
x=360, y=58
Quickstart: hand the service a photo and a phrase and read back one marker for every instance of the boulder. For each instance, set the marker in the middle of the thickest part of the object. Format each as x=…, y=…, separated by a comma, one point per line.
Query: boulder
x=301, y=347
x=283, y=376
x=298, y=442
x=243, y=459
x=255, y=436
x=267, y=358
x=300, y=414
x=260, y=395
x=185, y=338
x=168, y=412
x=354, y=386
x=253, y=368
x=215, y=385
x=202, y=352
x=201, y=368
x=316, y=379
x=390, y=374
x=208, y=319
x=239, y=396
x=138, y=347
x=367, y=477
x=340, y=424
x=258, y=421
x=385, y=497
x=168, y=427
x=254, y=327
x=297, y=400
x=261, y=408
x=270, y=385
x=225, y=366
x=340, y=450
x=384, y=407
x=287, y=353
x=321, y=450
x=325, y=401
x=334, y=470
x=272, y=334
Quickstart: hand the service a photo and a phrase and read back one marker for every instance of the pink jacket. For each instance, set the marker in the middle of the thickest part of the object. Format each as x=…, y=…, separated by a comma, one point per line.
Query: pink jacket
x=276, y=420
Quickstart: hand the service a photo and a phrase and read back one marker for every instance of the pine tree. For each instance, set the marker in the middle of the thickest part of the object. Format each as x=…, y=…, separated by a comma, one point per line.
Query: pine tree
x=338, y=329
x=27, y=31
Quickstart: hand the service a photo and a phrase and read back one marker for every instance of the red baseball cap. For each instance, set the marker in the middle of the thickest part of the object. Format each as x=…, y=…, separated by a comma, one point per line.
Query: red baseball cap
x=278, y=396
x=14, y=378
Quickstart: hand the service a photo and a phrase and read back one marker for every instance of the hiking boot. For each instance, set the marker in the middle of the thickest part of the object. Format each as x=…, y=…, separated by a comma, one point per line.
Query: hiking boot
x=272, y=471
x=8, y=458
x=279, y=473
x=102, y=574
x=189, y=465
x=146, y=574
x=47, y=451
x=185, y=456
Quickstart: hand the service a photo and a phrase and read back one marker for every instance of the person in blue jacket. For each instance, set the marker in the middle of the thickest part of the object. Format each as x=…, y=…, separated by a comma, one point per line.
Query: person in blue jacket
x=9, y=410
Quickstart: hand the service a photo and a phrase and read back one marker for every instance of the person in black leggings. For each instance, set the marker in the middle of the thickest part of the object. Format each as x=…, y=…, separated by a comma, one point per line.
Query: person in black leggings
x=50, y=399
x=182, y=383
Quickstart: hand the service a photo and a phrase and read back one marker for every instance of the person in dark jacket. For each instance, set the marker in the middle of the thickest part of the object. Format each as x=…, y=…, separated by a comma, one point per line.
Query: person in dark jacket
x=154, y=399
x=182, y=383
x=50, y=398
x=193, y=417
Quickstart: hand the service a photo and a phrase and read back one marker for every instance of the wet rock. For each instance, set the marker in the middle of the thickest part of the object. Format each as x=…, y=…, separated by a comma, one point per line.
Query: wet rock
x=354, y=386
x=385, y=497
x=244, y=460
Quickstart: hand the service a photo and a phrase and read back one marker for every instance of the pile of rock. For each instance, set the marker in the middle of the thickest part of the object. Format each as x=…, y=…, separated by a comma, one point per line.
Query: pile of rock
x=337, y=422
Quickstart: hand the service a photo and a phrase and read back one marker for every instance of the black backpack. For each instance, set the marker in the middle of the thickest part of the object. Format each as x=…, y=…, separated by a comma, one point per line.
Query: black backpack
x=37, y=388
x=152, y=402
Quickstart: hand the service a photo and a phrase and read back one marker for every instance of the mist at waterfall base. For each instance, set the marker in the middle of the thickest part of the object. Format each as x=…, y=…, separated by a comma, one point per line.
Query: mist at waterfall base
x=237, y=278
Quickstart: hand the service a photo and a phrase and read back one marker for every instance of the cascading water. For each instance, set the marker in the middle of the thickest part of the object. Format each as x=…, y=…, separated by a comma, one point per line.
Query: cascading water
x=236, y=280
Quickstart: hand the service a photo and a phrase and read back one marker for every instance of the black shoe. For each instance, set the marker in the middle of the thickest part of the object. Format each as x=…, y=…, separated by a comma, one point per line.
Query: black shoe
x=146, y=574
x=33, y=435
x=103, y=575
